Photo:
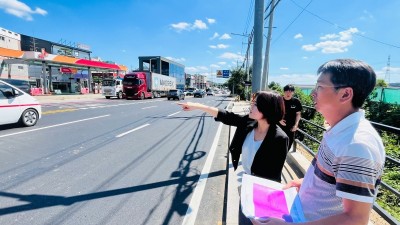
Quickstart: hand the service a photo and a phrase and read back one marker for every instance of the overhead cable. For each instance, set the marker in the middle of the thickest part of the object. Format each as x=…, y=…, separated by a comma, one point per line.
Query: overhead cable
x=327, y=21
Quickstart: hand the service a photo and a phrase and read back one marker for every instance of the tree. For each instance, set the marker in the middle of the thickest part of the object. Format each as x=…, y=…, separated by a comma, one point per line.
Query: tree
x=236, y=82
x=381, y=83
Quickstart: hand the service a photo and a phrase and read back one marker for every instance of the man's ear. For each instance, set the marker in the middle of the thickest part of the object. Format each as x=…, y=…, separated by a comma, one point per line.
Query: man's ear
x=346, y=94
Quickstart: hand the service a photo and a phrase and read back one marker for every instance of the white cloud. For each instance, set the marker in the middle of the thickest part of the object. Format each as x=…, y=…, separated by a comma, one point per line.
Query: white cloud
x=225, y=37
x=196, y=69
x=334, y=46
x=348, y=34
x=214, y=36
x=176, y=59
x=230, y=55
x=329, y=36
x=367, y=16
x=284, y=68
x=181, y=26
x=20, y=9
x=219, y=46
x=309, y=48
x=199, y=24
x=298, y=36
x=304, y=57
x=222, y=63
x=394, y=74
x=211, y=21
x=334, y=43
x=215, y=66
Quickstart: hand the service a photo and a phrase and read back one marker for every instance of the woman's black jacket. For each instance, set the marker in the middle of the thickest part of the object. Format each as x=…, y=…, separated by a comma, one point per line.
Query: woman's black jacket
x=270, y=157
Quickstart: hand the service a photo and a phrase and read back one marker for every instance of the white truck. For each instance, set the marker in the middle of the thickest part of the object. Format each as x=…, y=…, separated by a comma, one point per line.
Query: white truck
x=112, y=87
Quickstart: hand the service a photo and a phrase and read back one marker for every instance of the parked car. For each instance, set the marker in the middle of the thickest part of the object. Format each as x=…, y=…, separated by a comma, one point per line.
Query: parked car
x=210, y=92
x=176, y=94
x=199, y=93
x=18, y=106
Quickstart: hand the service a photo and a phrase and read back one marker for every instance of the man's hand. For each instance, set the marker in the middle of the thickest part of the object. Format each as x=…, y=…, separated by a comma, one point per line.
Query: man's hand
x=294, y=183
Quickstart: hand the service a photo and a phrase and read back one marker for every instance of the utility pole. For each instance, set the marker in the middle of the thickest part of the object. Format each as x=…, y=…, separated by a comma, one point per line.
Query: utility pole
x=264, y=82
x=258, y=44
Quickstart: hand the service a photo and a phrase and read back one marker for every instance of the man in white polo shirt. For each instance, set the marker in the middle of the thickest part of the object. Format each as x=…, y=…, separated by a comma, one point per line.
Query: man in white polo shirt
x=340, y=186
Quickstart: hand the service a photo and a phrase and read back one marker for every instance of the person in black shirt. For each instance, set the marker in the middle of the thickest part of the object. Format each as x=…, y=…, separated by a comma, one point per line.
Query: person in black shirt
x=293, y=108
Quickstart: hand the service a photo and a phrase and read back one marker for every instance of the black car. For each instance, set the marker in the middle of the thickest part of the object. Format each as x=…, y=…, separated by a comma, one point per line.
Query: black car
x=176, y=94
x=199, y=94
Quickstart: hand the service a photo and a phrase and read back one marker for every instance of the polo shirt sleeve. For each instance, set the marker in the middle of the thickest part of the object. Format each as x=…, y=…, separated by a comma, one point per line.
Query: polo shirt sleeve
x=358, y=173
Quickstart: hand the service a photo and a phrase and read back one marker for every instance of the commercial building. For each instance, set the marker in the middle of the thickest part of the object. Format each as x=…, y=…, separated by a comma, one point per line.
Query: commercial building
x=164, y=66
x=52, y=67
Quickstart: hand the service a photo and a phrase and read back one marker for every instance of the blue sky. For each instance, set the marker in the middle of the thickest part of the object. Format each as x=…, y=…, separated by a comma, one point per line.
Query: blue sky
x=202, y=34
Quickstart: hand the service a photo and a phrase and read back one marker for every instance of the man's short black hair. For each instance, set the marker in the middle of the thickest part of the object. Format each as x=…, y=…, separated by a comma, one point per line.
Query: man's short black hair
x=351, y=73
x=288, y=87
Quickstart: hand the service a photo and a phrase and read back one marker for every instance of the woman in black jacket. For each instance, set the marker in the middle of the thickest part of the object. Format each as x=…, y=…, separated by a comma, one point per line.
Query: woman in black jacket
x=261, y=142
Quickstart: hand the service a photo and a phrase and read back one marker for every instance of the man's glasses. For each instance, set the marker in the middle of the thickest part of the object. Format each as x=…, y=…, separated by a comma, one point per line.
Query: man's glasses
x=318, y=86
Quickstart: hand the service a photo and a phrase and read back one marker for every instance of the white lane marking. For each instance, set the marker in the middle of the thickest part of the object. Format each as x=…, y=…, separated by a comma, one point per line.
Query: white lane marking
x=191, y=213
x=137, y=128
x=173, y=114
x=57, y=125
x=149, y=107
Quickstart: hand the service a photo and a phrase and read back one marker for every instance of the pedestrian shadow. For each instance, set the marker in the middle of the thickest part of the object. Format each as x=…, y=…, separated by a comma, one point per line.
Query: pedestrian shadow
x=184, y=169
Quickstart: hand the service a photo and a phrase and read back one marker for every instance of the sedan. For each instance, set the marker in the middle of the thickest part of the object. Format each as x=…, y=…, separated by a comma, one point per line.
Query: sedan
x=199, y=94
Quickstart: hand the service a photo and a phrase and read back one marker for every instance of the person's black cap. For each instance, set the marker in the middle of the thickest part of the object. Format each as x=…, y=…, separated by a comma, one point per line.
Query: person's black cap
x=288, y=87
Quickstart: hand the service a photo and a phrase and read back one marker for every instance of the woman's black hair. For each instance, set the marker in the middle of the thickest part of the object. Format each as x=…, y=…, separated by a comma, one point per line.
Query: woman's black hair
x=271, y=105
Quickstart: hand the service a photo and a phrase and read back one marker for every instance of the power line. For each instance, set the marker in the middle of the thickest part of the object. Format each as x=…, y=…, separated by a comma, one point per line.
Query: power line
x=342, y=28
x=292, y=22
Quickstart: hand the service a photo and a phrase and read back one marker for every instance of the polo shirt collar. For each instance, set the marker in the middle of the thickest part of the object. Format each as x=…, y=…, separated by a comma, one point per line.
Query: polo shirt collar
x=348, y=121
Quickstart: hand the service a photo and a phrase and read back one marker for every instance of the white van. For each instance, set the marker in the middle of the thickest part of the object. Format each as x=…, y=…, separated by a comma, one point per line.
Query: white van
x=18, y=106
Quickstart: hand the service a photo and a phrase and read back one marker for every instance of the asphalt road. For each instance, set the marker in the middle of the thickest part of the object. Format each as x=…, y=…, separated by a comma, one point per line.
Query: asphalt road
x=98, y=161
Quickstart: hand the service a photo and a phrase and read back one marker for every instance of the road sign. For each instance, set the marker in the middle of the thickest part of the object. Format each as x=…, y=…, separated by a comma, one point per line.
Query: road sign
x=226, y=73
x=223, y=73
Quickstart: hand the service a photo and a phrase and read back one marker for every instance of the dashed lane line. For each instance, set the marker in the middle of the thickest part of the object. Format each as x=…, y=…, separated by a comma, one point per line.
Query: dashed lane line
x=130, y=131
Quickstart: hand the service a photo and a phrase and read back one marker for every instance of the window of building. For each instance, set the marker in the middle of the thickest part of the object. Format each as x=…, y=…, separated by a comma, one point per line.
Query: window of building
x=20, y=67
x=1, y=38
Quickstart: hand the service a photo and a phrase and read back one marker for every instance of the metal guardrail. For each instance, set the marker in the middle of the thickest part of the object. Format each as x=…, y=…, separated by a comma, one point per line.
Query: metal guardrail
x=383, y=213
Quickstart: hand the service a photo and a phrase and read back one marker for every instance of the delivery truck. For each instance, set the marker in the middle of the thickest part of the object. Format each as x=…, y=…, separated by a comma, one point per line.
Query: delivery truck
x=145, y=84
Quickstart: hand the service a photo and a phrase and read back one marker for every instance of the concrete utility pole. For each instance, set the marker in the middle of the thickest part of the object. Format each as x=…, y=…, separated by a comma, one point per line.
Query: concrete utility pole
x=258, y=45
x=264, y=82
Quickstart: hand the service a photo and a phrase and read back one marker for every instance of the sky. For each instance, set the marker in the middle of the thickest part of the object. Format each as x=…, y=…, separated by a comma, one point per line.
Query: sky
x=211, y=35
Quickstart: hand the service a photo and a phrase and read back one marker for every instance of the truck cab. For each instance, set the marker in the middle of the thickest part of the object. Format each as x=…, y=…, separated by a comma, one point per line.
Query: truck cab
x=112, y=88
x=135, y=86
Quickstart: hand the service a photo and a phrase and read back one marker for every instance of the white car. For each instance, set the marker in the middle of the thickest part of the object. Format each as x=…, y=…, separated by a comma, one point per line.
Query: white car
x=18, y=106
